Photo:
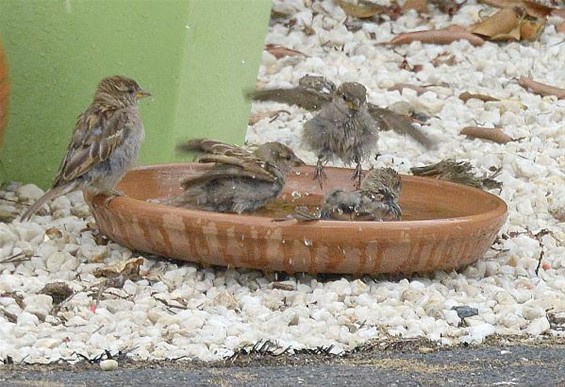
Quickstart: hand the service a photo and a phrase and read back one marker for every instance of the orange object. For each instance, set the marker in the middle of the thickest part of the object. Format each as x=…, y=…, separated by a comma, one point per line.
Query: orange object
x=445, y=226
x=4, y=92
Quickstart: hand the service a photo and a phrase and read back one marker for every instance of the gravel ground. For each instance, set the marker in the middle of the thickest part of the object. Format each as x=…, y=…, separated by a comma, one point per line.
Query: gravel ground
x=176, y=310
x=406, y=363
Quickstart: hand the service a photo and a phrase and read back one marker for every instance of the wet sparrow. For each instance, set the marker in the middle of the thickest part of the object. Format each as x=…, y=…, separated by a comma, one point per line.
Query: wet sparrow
x=342, y=129
x=376, y=200
x=240, y=180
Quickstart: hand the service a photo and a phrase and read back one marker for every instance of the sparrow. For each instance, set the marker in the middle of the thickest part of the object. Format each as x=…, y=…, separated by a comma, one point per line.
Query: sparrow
x=343, y=129
x=313, y=92
x=457, y=172
x=375, y=200
x=239, y=181
x=104, y=145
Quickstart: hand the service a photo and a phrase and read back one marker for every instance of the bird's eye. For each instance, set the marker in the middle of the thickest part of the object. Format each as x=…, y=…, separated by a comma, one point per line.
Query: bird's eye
x=288, y=157
x=344, y=97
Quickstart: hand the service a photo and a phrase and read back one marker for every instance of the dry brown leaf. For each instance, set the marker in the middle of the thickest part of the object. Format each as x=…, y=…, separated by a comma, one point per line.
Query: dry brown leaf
x=129, y=269
x=532, y=8
x=491, y=134
x=420, y=6
x=59, y=291
x=483, y=97
x=560, y=27
x=444, y=58
x=449, y=7
x=366, y=11
x=536, y=9
x=445, y=36
x=513, y=35
x=501, y=23
x=279, y=51
x=272, y=114
x=503, y=3
x=531, y=29
x=541, y=88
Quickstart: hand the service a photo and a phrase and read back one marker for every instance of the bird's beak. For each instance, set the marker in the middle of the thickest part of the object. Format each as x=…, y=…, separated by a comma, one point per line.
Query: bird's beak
x=297, y=162
x=142, y=94
x=352, y=105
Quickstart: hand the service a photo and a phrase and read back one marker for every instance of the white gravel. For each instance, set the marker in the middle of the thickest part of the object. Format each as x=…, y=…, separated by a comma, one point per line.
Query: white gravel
x=182, y=310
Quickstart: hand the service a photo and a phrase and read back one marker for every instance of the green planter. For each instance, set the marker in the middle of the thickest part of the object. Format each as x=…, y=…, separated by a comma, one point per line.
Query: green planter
x=195, y=56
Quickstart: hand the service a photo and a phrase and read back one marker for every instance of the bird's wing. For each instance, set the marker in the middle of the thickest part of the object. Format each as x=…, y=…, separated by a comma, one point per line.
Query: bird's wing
x=303, y=97
x=95, y=137
x=212, y=146
x=229, y=166
x=387, y=120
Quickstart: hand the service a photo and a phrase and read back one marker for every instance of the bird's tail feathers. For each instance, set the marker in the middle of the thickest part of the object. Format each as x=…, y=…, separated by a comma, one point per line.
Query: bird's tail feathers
x=49, y=195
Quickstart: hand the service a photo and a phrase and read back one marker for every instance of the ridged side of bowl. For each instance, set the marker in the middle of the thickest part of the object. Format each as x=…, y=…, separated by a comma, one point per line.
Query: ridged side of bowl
x=401, y=247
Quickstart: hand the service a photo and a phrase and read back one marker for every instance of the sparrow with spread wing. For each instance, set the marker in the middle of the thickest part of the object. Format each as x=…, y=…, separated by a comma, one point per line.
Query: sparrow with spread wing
x=240, y=180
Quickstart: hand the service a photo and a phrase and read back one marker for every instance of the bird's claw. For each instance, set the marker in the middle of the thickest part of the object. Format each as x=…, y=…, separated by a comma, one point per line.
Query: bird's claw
x=320, y=174
x=111, y=195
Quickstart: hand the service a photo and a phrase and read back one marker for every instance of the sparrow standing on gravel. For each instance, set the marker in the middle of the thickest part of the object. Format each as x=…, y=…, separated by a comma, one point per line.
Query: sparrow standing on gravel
x=376, y=200
x=342, y=129
x=240, y=180
x=104, y=145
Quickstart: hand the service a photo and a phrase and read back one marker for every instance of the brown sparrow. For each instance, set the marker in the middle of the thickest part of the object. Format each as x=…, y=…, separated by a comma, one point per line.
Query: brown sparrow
x=240, y=180
x=104, y=145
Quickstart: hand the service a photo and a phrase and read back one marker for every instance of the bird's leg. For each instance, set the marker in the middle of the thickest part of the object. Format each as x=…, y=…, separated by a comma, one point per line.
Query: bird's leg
x=319, y=172
x=358, y=172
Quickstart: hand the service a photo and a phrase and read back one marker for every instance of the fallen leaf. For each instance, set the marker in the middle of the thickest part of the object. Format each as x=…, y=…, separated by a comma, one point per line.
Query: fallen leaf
x=483, y=97
x=444, y=58
x=279, y=51
x=444, y=36
x=501, y=23
x=560, y=27
x=536, y=9
x=541, y=88
x=272, y=114
x=503, y=3
x=129, y=269
x=449, y=7
x=59, y=291
x=531, y=29
x=491, y=134
x=420, y=6
x=366, y=11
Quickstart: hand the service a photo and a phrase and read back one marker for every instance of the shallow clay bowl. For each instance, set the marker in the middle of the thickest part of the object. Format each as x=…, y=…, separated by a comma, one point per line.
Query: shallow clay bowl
x=445, y=226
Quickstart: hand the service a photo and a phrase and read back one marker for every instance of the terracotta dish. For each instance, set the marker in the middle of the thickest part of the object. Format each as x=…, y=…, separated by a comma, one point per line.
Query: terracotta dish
x=445, y=226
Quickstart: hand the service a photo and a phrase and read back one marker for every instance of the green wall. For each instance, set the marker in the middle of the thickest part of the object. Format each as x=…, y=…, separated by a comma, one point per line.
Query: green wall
x=195, y=56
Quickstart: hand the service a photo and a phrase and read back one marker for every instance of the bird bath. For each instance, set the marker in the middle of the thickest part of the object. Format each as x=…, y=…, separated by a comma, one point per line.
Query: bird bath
x=445, y=226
